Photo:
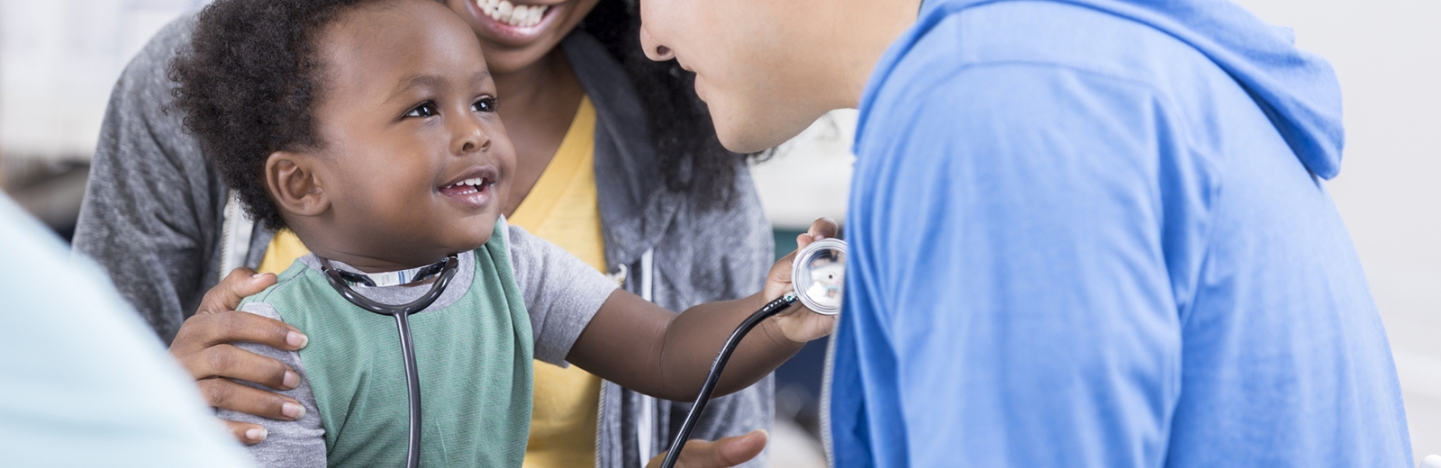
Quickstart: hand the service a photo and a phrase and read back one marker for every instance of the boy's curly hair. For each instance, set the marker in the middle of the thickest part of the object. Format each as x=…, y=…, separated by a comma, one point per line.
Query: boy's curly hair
x=251, y=76
x=248, y=84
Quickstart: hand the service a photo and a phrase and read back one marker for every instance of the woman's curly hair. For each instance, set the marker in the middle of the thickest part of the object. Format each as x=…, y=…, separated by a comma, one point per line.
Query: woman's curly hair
x=248, y=85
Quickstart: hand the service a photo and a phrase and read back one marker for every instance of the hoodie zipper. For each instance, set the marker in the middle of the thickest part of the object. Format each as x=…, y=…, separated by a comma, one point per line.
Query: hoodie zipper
x=645, y=433
x=235, y=234
x=827, y=444
x=645, y=428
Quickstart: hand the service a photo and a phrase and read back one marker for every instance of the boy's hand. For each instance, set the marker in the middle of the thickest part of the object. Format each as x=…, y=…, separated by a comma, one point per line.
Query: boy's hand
x=800, y=324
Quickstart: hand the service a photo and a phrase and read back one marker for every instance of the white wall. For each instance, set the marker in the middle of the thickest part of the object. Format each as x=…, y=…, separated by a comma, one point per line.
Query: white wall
x=58, y=61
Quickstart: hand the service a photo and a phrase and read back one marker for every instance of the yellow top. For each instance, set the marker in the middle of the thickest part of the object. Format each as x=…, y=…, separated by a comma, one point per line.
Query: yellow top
x=562, y=208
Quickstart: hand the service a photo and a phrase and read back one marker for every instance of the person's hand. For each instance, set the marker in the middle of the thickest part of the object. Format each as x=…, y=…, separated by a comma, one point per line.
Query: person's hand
x=724, y=453
x=800, y=324
x=203, y=346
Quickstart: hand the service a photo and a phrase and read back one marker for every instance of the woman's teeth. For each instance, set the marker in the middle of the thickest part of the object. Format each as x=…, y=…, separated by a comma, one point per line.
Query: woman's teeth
x=512, y=14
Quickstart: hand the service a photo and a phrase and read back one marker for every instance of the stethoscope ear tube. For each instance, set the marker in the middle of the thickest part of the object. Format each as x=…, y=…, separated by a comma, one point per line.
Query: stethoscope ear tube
x=708, y=388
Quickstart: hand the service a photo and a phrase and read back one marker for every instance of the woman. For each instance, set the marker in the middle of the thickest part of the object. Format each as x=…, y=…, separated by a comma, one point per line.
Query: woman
x=616, y=161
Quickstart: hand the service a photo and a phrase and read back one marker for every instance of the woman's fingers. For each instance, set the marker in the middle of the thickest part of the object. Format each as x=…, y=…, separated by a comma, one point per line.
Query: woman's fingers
x=247, y=433
x=203, y=331
x=229, y=395
x=239, y=284
x=228, y=361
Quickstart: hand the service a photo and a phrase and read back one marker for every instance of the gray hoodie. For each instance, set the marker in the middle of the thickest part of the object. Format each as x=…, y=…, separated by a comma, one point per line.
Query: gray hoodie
x=160, y=221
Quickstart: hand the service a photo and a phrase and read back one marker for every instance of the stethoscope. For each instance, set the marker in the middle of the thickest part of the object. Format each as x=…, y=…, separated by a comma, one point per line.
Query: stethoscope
x=402, y=313
x=820, y=267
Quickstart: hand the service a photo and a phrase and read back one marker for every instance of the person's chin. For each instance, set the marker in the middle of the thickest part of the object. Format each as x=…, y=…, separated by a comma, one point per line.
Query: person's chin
x=746, y=135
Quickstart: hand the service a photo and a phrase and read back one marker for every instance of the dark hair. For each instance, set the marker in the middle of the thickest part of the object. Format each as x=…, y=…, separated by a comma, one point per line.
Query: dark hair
x=250, y=78
x=691, y=156
x=247, y=86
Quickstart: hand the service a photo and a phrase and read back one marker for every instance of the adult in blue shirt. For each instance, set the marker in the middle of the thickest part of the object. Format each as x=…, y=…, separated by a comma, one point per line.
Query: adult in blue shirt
x=85, y=382
x=1084, y=232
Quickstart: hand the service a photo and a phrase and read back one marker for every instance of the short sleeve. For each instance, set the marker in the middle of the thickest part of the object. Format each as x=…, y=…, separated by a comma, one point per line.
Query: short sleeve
x=561, y=292
x=289, y=443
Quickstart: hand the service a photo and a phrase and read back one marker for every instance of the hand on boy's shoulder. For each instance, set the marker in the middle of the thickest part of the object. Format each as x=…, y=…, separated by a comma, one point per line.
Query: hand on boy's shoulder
x=203, y=347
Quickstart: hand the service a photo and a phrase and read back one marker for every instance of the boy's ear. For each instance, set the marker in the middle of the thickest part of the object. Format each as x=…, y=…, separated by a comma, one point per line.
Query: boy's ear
x=295, y=183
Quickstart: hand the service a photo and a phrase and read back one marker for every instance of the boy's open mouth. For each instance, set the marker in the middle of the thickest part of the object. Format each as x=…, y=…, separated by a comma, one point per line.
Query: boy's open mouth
x=475, y=188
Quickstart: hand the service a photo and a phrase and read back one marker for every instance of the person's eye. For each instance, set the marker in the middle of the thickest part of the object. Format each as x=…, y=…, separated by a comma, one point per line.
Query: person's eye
x=485, y=104
x=424, y=110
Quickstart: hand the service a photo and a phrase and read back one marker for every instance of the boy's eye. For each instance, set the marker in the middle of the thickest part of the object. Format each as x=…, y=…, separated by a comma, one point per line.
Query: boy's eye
x=485, y=104
x=423, y=110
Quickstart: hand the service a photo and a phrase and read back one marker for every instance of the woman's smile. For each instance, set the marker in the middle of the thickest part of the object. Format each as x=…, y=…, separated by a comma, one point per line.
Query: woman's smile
x=514, y=23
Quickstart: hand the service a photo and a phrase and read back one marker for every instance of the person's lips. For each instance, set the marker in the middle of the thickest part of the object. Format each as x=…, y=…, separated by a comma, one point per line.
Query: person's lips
x=514, y=23
x=474, y=188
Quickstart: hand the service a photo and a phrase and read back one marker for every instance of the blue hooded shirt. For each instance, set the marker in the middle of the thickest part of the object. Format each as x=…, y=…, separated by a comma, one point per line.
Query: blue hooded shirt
x=1095, y=233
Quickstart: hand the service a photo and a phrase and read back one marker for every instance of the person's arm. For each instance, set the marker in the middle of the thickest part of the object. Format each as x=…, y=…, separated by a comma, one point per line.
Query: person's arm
x=733, y=249
x=649, y=349
x=86, y=382
x=153, y=208
x=1010, y=295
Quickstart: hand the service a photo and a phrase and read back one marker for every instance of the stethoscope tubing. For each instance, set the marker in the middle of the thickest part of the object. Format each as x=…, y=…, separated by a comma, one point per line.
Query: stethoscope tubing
x=401, y=313
x=711, y=379
x=412, y=389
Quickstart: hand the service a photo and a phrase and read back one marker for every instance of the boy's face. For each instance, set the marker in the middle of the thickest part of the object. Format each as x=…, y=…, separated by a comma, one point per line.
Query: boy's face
x=414, y=161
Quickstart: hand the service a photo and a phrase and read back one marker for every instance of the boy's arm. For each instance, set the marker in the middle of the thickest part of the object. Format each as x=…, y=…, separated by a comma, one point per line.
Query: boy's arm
x=658, y=352
x=298, y=443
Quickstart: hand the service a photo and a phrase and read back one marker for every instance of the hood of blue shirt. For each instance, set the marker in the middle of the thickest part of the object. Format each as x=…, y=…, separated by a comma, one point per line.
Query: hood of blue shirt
x=1297, y=90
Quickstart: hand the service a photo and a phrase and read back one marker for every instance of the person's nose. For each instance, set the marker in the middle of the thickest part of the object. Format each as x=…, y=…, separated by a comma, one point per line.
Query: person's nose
x=654, y=50
x=469, y=136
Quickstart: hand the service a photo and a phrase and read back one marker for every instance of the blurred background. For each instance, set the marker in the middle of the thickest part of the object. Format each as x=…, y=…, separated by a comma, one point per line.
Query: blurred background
x=59, y=59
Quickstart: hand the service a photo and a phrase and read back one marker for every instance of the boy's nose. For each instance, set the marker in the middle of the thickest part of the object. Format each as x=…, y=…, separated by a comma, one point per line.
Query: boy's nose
x=472, y=137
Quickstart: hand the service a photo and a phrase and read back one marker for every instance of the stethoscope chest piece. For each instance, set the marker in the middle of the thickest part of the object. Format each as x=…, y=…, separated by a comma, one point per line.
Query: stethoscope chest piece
x=819, y=275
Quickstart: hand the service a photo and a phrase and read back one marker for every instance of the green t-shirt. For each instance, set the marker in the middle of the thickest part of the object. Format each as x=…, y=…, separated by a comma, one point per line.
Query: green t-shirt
x=473, y=357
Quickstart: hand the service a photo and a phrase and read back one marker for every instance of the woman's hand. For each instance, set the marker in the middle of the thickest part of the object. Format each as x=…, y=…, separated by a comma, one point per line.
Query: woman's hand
x=800, y=324
x=203, y=346
x=724, y=453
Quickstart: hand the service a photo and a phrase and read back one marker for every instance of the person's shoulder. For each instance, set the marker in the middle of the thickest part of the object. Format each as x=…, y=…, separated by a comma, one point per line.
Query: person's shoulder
x=295, y=283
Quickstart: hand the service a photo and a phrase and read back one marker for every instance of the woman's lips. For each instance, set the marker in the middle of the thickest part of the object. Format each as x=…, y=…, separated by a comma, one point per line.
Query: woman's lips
x=511, y=23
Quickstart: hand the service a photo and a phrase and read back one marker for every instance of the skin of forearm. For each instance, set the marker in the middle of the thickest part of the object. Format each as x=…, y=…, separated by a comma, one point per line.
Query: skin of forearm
x=666, y=355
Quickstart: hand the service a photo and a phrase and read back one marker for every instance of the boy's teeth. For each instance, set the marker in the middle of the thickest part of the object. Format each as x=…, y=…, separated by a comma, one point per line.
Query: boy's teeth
x=476, y=182
x=512, y=14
